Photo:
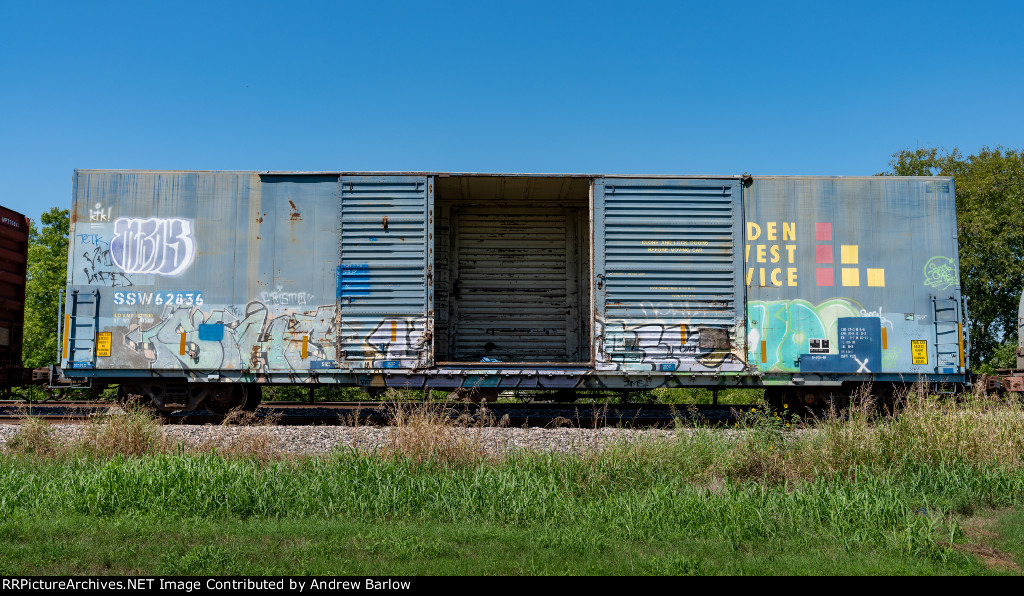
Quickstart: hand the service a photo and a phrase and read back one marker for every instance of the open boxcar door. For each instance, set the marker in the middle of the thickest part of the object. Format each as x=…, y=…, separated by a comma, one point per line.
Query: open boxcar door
x=385, y=289
x=668, y=293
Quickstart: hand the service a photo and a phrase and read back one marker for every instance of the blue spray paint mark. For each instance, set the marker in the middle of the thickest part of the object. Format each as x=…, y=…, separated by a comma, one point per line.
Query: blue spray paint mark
x=353, y=280
x=211, y=331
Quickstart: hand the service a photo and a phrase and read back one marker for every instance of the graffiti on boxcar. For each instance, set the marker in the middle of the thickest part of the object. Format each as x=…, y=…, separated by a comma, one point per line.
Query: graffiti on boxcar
x=877, y=313
x=99, y=213
x=255, y=339
x=261, y=338
x=99, y=269
x=281, y=298
x=785, y=328
x=665, y=347
x=153, y=245
x=891, y=357
x=940, y=273
x=91, y=239
x=396, y=342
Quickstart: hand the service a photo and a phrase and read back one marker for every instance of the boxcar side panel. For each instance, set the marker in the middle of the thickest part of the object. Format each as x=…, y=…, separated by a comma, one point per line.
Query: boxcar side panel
x=852, y=275
x=193, y=273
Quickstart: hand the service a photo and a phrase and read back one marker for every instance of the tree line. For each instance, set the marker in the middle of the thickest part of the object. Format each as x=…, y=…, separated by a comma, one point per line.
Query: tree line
x=989, y=200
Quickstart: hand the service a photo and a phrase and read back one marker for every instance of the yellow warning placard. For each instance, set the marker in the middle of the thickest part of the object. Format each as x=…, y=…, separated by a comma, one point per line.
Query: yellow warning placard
x=103, y=344
x=919, y=351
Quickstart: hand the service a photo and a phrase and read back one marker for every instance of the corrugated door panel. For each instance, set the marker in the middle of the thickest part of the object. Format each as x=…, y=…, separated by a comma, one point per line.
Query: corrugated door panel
x=514, y=294
x=668, y=288
x=384, y=285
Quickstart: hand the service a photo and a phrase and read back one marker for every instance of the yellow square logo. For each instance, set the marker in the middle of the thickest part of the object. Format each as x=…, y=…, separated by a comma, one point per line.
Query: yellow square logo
x=876, y=278
x=848, y=255
x=851, y=276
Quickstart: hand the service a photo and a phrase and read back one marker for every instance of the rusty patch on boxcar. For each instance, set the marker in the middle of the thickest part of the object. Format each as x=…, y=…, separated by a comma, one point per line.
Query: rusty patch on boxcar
x=295, y=215
x=384, y=223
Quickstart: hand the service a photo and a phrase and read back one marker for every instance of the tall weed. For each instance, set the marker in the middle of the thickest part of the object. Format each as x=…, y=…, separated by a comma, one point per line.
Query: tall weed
x=430, y=434
x=134, y=432
x=35, y=437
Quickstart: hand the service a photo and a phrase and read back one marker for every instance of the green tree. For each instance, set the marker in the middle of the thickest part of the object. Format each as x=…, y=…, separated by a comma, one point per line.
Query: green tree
x=990, y=203
x=47, y=274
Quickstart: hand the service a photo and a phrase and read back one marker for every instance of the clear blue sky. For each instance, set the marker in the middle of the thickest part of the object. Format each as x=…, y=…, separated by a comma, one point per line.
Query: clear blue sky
x=603, y=87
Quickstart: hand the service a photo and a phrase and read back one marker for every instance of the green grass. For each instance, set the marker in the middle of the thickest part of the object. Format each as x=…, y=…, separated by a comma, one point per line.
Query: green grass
x=936, y=490
x=130, y=545
x=558, y=514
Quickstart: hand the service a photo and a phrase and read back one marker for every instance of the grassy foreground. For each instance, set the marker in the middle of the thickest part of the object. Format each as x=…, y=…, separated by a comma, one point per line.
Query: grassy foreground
x=936, y=490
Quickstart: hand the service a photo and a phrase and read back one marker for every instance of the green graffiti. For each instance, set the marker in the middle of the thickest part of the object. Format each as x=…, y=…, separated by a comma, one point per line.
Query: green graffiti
x=940, y=273
x=786, y=327
x=891, y=357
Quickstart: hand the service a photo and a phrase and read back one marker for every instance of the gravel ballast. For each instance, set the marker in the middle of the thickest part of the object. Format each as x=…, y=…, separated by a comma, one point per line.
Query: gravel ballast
x=319, y=440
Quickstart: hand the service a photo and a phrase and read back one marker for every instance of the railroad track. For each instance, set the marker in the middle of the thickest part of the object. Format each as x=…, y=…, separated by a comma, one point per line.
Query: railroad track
x=380, y=413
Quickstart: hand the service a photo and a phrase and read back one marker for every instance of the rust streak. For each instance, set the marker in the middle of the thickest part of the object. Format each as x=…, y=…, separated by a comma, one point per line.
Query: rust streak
x=295, y=215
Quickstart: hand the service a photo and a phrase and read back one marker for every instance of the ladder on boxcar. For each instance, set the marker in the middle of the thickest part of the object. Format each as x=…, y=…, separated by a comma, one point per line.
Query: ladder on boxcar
x=946, y=318
x=81, y=324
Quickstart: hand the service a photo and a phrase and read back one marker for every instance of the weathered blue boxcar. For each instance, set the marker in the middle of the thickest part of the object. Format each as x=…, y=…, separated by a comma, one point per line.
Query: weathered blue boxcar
x=194, y=288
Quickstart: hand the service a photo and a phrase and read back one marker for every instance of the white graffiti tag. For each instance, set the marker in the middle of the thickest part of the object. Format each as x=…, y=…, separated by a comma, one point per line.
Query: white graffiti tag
x=98, y=213
x=154, y=245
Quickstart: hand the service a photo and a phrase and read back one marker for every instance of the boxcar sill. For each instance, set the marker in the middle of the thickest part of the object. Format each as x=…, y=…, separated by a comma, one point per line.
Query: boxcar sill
x=515, y=364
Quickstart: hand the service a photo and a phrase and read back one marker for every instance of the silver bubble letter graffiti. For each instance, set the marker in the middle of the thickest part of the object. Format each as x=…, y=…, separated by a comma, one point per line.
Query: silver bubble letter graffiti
x=155, y=245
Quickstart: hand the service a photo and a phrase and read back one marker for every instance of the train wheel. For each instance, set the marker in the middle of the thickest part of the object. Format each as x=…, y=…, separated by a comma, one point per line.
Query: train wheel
x=810, y=402
x=221, y=398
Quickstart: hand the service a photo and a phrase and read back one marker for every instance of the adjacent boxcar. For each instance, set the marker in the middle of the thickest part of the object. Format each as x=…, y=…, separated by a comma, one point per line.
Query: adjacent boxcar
x=195, y=288
x=13, y=272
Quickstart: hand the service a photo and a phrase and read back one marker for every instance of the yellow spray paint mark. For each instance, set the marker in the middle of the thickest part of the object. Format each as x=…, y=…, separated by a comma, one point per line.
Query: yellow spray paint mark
x=305, y=346
x=764, y=352
x=394, y=331
x=885, y=339
x=960, y=333
x=67, y=328
x=181, y=348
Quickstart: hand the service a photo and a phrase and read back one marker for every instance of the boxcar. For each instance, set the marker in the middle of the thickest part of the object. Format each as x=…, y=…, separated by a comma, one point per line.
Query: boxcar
x=13, y=271
x=196, y=288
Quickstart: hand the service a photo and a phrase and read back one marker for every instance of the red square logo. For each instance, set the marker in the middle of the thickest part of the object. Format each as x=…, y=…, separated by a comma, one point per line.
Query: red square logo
x=823, y=253
x=823, y=232
x=824, y=275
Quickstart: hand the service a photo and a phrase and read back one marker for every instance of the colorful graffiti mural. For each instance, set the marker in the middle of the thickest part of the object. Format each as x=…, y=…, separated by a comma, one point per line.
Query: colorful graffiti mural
x=262, y=338
x=253, y=339
x=785, y=329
